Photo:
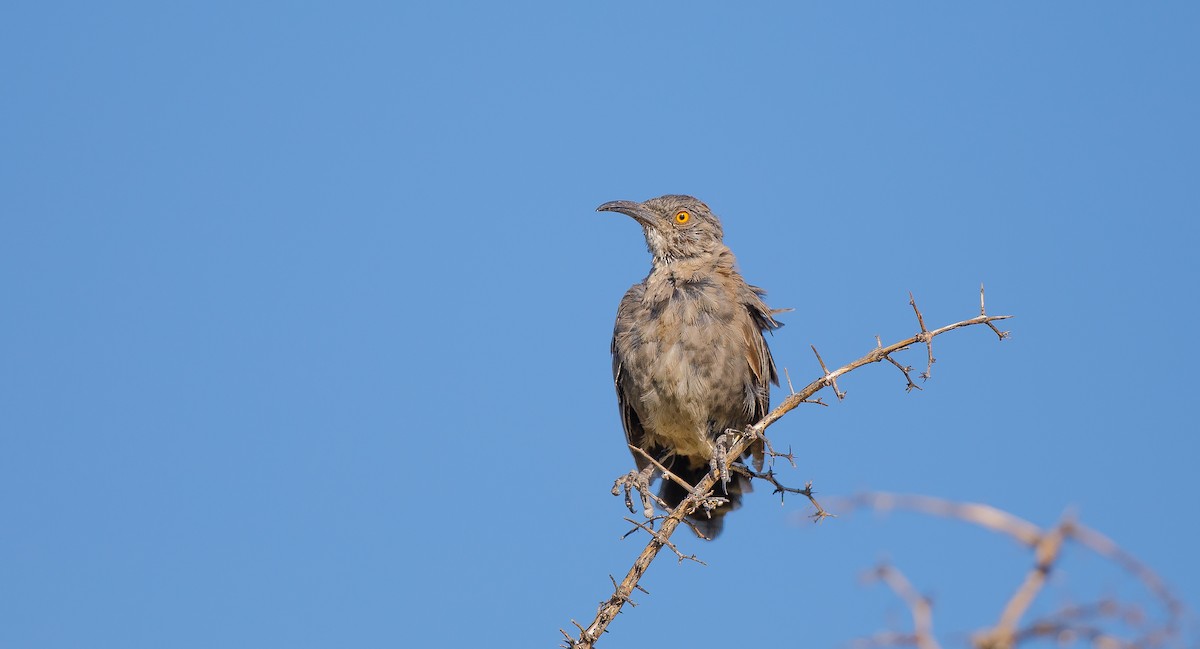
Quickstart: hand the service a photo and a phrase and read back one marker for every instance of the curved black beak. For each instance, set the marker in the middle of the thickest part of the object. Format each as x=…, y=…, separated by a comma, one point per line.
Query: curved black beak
x=638, y=211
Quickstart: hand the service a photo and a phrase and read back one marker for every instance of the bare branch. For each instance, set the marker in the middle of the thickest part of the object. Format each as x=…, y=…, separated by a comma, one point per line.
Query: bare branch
x=919, y=605
x=1085, y=622
x=876, y=355
x=667, y=542
x=905, y=369
x=982, y=515
x=1046, y=552
x=1071, y=622
x=820, y=515
x=1107, y=548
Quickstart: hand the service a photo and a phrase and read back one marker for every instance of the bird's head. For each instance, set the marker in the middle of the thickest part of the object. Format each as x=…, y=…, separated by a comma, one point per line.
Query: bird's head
x=677, y=227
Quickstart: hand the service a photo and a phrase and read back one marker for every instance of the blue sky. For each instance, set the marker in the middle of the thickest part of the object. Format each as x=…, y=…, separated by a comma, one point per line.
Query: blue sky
x=307, y=310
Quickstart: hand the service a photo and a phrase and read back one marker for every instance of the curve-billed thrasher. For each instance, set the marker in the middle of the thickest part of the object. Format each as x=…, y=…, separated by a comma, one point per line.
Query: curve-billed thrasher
x=689, y=358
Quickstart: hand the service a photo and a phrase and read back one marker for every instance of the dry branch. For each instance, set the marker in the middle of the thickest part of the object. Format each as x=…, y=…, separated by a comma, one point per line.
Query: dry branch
x=918, y=605
x=1047, y=544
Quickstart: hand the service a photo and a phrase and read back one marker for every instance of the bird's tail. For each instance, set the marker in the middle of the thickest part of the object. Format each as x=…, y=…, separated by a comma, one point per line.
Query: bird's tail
x=707, y=524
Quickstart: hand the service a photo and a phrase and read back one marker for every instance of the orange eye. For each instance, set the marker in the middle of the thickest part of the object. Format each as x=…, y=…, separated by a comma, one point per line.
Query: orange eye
x=682, y=217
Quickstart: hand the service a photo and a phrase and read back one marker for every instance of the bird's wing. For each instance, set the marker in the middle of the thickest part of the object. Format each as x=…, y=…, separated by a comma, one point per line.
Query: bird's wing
x=635, y=435
x=758, y=356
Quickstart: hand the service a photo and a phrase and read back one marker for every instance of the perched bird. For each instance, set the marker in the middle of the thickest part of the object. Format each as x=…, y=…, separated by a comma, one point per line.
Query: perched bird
x=689, y=358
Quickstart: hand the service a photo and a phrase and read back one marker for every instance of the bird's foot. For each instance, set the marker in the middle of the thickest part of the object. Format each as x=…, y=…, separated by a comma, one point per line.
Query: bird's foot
x=636, y=481
x=720, y=457
x=709, y=504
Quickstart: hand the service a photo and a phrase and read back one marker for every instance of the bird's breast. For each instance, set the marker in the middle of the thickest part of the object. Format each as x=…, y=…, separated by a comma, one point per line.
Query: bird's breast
x=689, y=367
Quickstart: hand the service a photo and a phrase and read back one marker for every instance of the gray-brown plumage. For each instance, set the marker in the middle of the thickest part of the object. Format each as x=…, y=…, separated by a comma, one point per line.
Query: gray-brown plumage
x=689, y=357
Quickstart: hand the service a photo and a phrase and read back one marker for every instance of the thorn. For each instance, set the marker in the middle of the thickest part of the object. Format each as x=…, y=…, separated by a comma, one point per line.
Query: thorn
x=925, y=336
x=830, y=380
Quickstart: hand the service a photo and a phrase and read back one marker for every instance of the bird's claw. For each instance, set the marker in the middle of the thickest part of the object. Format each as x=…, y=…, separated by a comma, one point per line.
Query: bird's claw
x=719, y=461
x=636, y=481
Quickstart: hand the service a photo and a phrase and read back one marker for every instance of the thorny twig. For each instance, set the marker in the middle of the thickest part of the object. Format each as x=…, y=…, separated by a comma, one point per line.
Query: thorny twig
x=667, y=475
x=667, y=542
x=781, y=489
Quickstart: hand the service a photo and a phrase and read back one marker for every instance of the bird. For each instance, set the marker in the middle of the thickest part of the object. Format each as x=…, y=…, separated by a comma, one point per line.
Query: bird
x=689, y=358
